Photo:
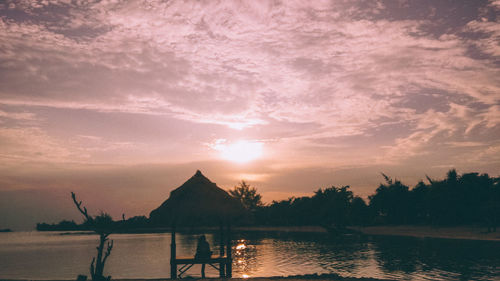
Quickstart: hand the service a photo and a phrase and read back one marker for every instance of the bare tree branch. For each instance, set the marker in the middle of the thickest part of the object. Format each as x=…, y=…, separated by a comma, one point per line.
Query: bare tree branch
x=101, y=225
x=79, y=207
x=429, y=179
x=387, y=178
x=108, y=252
x=92, y=269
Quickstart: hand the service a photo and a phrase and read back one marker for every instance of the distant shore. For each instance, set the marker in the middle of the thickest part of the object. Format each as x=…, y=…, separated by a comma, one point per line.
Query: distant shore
x=304, y=229
x=457, y=232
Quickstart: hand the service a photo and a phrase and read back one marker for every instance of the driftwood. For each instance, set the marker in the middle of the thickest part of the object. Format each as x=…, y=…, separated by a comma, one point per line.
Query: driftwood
x=101, y=225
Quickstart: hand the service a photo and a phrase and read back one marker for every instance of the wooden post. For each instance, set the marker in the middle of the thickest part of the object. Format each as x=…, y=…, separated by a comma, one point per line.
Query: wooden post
x=173, y=256
x=221, y=251
x=229, y=263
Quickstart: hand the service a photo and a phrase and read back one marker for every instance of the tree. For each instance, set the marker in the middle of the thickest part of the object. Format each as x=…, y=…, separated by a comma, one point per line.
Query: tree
x=102, y=225
x=247, y=195
x=332, y=205
x=359, y=211
x=391, y=202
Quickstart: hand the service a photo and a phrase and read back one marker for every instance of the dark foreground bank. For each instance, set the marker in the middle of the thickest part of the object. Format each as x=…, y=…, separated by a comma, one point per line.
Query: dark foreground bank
x=307, y=277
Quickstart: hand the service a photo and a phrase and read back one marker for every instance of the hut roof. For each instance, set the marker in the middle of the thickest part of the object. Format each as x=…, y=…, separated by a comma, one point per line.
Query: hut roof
x=197, y=202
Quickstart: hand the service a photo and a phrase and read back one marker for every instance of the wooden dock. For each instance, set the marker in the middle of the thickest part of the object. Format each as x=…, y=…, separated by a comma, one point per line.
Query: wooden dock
x=220, y=263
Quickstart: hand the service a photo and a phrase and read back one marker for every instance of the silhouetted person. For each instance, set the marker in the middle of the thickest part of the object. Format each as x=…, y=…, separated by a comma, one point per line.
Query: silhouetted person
x=203, y=252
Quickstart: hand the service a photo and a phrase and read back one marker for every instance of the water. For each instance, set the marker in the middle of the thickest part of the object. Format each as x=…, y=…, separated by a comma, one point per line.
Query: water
x=52, y=255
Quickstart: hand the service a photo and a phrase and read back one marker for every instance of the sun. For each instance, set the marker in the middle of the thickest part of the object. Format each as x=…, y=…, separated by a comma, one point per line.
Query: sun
x=239, y=152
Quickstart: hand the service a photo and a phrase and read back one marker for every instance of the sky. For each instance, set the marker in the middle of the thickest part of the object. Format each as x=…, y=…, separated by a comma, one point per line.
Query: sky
x=122, y=101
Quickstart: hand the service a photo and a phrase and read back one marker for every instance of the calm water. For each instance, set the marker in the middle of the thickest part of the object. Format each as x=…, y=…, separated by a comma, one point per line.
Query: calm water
x=50, y=255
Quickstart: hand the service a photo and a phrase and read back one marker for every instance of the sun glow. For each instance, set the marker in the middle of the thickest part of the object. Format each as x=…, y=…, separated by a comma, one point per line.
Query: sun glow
x=239, y=152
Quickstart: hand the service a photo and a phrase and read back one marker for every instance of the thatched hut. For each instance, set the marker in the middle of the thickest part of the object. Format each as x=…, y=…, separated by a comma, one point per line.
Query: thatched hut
x=197, y=202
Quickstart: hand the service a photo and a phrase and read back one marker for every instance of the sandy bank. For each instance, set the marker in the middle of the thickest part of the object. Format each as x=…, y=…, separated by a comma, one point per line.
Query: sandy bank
x=462, y=232
x=469, y=233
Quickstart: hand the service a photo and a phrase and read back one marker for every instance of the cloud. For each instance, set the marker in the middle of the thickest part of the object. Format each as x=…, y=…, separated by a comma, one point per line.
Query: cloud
x=31, y=143
x=27, y=116
x=331, y=84
x=488, y=44
x=243, y=65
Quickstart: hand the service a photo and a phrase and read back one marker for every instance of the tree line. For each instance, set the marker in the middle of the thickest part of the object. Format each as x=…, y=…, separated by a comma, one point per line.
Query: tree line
x=124, y=225
x=467, y=199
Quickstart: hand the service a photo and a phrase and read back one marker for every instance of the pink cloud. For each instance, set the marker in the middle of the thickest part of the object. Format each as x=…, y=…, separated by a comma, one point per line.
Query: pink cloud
x=331, y=84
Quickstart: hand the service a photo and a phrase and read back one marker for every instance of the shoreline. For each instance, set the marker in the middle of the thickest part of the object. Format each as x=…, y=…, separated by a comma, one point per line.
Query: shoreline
x=296, y=229
x=455, y=232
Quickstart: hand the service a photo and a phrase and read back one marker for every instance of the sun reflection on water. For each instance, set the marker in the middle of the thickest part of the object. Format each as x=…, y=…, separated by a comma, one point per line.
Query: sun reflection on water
x=241, y=246
x=244, y=254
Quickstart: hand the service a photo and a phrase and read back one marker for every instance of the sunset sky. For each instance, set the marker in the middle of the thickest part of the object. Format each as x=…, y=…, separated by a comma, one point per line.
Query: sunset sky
x=122, y=101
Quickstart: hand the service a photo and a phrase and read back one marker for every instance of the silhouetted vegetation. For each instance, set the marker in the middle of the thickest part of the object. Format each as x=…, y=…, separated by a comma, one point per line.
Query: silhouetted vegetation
x=63, y=225
x=467, y=199
x=124, y=225
x=456, y=200
x=103, y=226
x=247, y=195
x=250, y=200
x=330, y=207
